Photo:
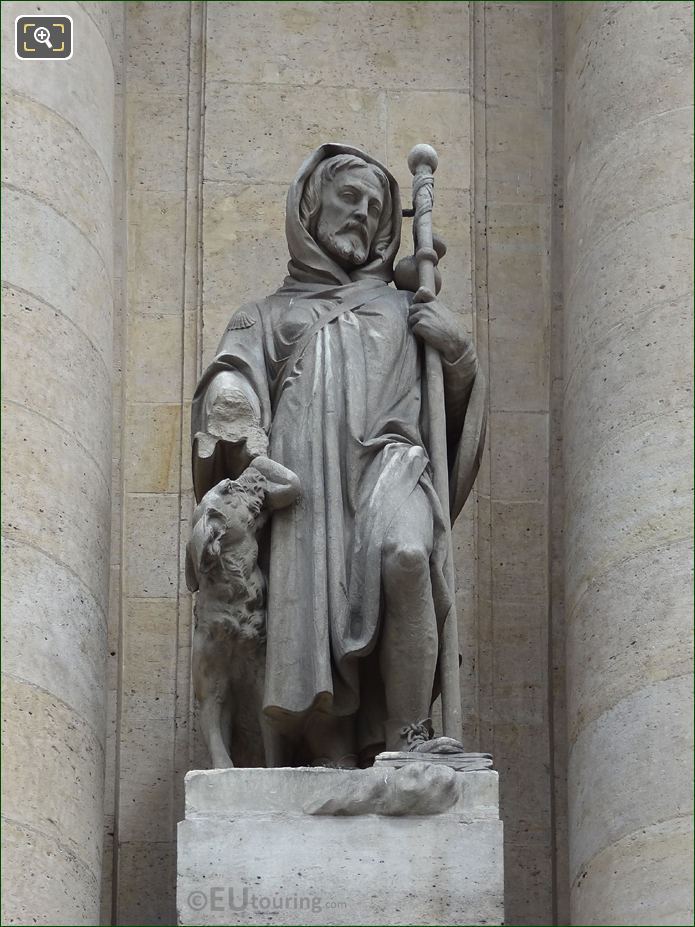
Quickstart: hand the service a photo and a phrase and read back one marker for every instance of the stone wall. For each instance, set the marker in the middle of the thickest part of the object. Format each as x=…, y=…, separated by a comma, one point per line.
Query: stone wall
x=61, y=287
x=149, y=626
x=511, y=227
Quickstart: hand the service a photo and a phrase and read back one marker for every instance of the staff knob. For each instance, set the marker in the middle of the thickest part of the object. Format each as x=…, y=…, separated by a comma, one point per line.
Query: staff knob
x=423, y=156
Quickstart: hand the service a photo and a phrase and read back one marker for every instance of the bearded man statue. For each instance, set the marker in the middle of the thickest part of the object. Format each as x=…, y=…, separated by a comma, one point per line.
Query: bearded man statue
x=325, y=376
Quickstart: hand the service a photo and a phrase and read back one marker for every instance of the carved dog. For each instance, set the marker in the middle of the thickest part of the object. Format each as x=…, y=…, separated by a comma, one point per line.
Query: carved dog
x=229, y=638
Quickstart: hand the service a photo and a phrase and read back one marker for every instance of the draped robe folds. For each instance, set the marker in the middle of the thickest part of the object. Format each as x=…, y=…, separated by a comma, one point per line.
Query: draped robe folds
x=335, y=376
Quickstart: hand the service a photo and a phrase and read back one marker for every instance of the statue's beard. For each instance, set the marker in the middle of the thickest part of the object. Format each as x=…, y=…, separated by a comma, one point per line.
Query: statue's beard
x=348, y=245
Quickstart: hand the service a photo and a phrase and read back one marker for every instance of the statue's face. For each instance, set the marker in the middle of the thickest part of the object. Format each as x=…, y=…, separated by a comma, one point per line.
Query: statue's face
x=351, y=206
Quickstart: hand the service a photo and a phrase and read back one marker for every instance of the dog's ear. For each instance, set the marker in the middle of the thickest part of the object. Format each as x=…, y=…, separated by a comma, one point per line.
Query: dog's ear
x=203, y=548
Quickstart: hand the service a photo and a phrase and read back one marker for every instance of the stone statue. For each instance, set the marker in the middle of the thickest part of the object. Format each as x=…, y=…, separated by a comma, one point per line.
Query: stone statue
x=326, y=378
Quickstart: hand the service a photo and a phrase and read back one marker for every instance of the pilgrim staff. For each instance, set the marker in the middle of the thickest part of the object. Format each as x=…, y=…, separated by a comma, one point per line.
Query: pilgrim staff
x=422, y=162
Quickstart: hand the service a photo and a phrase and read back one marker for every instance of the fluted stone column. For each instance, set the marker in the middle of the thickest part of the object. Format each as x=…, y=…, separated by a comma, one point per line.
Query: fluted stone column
x=57, y=374
x=628, y=289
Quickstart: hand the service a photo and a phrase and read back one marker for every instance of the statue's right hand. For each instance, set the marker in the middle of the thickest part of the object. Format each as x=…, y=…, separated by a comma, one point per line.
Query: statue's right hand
x=282, y=483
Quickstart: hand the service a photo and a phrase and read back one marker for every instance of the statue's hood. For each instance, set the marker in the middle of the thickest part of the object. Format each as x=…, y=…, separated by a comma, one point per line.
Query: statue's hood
x=308, y=263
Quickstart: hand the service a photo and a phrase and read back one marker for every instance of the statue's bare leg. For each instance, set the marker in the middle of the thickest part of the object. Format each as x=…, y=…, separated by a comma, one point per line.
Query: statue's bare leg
x=408, y=645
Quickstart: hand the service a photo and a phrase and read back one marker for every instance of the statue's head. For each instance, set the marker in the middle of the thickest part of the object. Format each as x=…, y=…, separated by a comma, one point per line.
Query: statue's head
x=343, y=219
x=346, y=208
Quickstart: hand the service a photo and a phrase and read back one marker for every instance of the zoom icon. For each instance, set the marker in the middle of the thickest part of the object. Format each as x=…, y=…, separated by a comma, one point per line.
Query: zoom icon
x=43, y=37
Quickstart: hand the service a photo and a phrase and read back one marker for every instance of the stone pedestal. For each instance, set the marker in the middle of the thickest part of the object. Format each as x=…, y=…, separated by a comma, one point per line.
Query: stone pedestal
x=421, y=845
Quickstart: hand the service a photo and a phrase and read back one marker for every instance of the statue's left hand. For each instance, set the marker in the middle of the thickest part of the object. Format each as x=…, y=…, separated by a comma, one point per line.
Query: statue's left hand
x=431, y=321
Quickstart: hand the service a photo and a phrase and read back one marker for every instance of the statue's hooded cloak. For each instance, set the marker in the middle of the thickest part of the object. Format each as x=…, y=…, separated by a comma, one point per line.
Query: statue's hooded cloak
x=334, y=375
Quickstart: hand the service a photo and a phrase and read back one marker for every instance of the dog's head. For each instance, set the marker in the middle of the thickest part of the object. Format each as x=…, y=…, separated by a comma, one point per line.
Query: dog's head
x=226, y=512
